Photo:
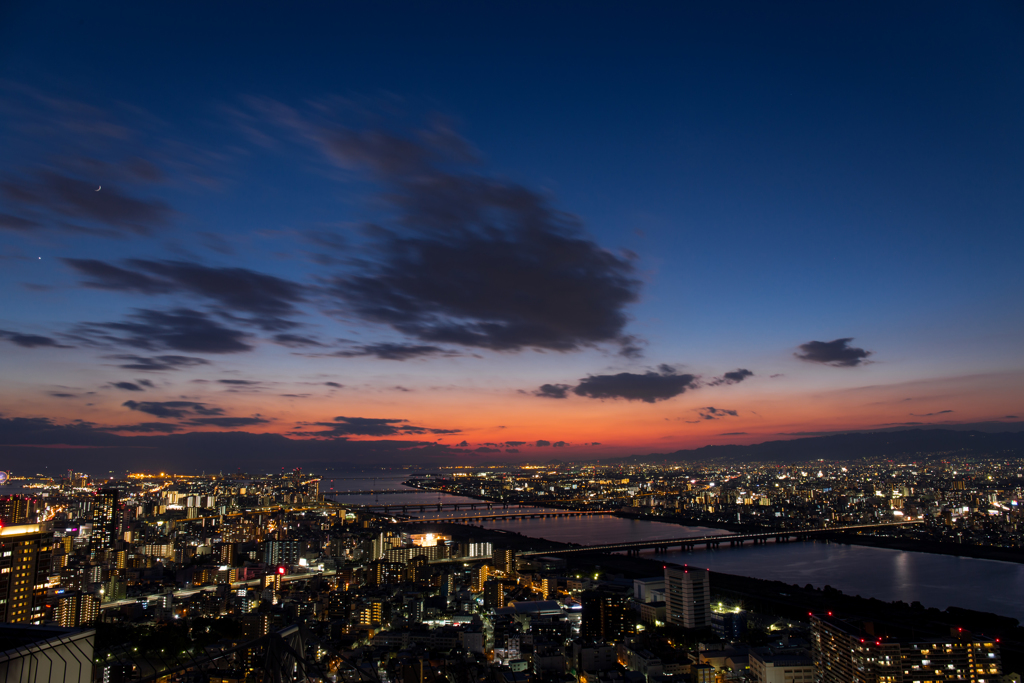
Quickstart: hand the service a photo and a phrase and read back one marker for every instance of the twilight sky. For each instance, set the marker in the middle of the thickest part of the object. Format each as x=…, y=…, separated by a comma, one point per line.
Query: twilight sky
x=481, y=232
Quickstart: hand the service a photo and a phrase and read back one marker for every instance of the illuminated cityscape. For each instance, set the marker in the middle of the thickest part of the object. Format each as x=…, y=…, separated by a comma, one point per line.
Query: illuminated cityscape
x=395, y=571
x=512, y=342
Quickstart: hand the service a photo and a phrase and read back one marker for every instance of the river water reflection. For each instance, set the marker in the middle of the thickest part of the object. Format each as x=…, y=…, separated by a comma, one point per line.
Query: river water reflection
x=933, y=580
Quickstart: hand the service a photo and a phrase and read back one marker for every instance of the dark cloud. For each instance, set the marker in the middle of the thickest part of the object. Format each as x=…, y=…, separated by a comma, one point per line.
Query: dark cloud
x=940, y=412
x=389, y=351
x=595, y=443
x=102, y=275
x=838, y=353
x=145, y=383
x=158, y=363
x=468, y=259
x=511, y=450
x=169, y=447
x=462, y=445
x=62, y=394
x=515, y=443
x=553, y=391
x=294, y=340
x=541, y=442
x=172, y=409
x=236, y=289
x=1010, y=417
x=334, y=385
x=485, y=449
x=181, y=329
x=9, y=222
x=734, y=377
x=648, y=387
x=712, y=413
x=559, y=444
x=240, y=382
x=144, y=428
x=126, y=386
x=372, y=426
x=226, y=422
x=31, y=341
x=77, y=199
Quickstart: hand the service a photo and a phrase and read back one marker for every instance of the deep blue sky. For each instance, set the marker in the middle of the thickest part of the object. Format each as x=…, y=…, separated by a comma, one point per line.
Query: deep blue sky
x=783, y=172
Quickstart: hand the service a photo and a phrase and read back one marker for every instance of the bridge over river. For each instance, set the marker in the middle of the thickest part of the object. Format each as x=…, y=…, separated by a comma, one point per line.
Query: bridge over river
x=534, y=514
x=689, y=543
x=389, y=508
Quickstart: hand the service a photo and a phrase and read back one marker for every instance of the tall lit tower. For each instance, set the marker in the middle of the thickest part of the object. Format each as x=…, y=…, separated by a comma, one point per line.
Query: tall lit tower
x=687, y=597
x=24, y=568
x=104, y=520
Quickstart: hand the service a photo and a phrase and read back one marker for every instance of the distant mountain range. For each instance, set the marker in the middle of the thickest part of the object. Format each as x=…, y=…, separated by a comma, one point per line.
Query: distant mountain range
x=854, y=445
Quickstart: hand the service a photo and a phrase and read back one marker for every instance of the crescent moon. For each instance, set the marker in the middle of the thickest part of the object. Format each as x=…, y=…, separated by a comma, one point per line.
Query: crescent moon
x=99, y=188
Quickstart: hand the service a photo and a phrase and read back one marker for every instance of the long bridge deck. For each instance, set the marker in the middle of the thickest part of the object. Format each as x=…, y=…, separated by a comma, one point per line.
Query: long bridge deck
x=511, y=515
x=372, y=492
x=388, y=508
x=688, y=543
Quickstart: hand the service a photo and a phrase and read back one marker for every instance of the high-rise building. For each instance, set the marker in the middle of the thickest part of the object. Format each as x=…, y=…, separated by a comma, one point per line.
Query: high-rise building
x=729, y=623
x=281, y=552
x=25, y=553
x=372, y=614
x=495, y=591
x=383, y=573
x=846, y=652
x=606, y=615
x=505, y=560
x=14, y=509
x=104, y=520
x=76, y=609
x=687, y=597
x=478, y=577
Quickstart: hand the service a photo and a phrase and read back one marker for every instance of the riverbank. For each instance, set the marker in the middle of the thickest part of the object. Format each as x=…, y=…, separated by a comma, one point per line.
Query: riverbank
x=784, y=600
x=915, y=545
x=861, y=538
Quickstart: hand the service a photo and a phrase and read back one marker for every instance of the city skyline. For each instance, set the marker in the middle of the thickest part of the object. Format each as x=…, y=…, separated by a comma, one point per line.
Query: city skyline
x=469, y=236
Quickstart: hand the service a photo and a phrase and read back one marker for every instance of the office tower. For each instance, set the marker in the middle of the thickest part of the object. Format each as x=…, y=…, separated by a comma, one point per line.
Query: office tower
x=606, y=616
x=845, y=652
x=228, y=554
x=76, y=609
x=728, y=622
x=25, y=553
x=104, y=520
x=687, y=597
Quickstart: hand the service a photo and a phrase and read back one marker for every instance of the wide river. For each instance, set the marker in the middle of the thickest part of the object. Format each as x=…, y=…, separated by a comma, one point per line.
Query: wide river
x=933, y=580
